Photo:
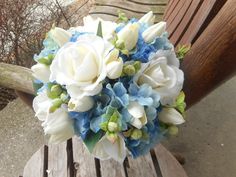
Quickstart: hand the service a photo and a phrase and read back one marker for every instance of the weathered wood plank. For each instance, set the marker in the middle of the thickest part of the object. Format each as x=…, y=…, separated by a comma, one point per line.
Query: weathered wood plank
x=111, y=168
x=57, y=160
x=16, y=77
x=83, y=160
x=35, y=166
x=169, y=166
x=132, y=7
x=141, y=167
x=150, y=2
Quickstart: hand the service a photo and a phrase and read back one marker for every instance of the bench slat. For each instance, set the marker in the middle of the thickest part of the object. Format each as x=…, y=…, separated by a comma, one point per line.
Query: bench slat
x=169, y=166
x=141, y=167
x=111, y=168
x=35, y=166
x=84, y=162
x=57, y=160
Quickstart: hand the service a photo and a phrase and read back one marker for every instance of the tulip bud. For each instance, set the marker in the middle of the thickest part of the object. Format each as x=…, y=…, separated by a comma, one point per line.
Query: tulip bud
x=41, y=72
x=171, y=116
x=60, y=36
x=136, y=134
x=112, y=127
x=129, y=34
x=153, y=31
x=81, y=105
x=148, y=18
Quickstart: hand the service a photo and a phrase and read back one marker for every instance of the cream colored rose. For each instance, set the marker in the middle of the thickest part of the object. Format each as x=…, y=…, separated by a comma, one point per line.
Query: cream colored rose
x=41, y=72
x=81, y=65
x=163, y=75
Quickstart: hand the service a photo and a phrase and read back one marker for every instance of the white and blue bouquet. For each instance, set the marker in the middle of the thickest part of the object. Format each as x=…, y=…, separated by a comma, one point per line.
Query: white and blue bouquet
x=116, y=85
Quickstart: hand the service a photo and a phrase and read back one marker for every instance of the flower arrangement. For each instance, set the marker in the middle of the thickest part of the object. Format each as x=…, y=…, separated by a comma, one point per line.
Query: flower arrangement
x=115, y=85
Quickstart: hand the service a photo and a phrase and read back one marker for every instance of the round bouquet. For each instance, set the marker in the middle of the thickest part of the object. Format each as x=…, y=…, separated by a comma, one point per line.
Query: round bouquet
x=117, y=85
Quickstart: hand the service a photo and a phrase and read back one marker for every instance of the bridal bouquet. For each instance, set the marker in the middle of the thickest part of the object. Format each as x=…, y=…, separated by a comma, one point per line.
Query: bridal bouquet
x=116, y=85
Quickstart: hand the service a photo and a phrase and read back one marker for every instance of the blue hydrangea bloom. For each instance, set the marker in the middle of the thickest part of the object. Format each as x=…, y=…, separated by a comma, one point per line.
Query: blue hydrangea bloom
x=144, y=95
x=81, y=123
x=118, y=95
x=143, y=146
x=143, y=49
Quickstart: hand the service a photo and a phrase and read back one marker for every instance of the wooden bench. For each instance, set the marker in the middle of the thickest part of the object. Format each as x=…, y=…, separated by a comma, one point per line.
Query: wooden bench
x=72, y=159
x=209, y=25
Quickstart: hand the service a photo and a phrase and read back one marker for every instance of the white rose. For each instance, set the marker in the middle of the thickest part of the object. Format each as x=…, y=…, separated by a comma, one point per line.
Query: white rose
x=80, y=105
x=129, y=35
x=81, y=65
x=154, y=31
x=139, y=118
x=41, y=72
x=114, y=65
x=148, y=18
x=57, y=124
x=60, y=36
x=105, y=149
x=171, y=116
x=91, y=26
x=166, y=79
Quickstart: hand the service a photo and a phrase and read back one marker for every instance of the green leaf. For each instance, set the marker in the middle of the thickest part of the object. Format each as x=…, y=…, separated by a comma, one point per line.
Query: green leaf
x=182, y=50
x=180, y=98
x=37, y=86
x=92, y=140
x=99, y=30
x=122, y=17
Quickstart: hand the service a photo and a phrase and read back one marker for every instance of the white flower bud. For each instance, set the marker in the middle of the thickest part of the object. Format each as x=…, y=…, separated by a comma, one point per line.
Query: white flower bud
x=138, y=114
x=41, y=72
x=129, y=34
x=153, y=31
x=171, y=116
x=114, y=65
x=148, y=18
x=80, y=105
x=60, y=36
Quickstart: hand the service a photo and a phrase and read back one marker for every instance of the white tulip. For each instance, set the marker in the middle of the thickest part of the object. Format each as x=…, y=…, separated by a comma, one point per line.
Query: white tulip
x=154, y=31
x=139, y=118
x=148, y=18
x=60, y=36
x=166, y=79
x=114, y=65
x=105, y=149
x=80, y=105
x=57, y=124
x=129, y=35
x=171, y=116
x=41, y=72
x=81, y=65
x=91, y=26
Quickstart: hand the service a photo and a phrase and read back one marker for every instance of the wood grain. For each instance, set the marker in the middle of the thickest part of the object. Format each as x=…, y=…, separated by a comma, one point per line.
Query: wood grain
x=57, y=160
x=211, y=60
x=169, y=166
x=142, y=167
x=35, y=166
x=83, y=161
x=111, y=168
x=16, y=77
